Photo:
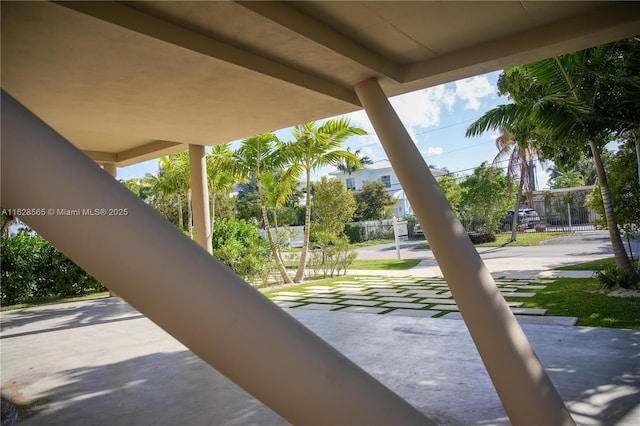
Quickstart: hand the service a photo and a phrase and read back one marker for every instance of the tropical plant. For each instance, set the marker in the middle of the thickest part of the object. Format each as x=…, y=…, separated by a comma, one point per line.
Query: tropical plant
x=314, y=147
x=566, y=178
x=372, y=201
x=453, y=192
x=581, y=90
x=174, y=178
x=486, y=195
x=333, y=206
x=222, y=174
x=259, y=156
x=348, y=165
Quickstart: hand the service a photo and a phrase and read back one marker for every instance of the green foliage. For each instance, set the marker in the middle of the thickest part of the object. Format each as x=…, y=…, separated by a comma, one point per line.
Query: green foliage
x=238, y=244
x=354, y=232
x=486, y=196
x=452, y=191
x=481, y=238
x=372, y=201
x=248, y=202
x=331, y=255
x=612, y=276
x=32, y=269
x=333, y=206
x=622, y=173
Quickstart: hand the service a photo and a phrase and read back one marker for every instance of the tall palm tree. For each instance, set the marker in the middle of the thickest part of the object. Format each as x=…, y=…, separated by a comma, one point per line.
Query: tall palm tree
x=173, y=178
x=348, y=165
x=314, y=147
x=222, y=174
x=257, y=157
x=578, y=90
x=517, y=144
x=279, y=188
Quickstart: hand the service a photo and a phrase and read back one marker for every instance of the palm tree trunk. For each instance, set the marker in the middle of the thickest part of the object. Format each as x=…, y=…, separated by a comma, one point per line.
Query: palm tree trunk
x=272, y=245
x=307, y=225
x=189, y=213
x=275, y=224
x=212, y=209
x=637, y=141
x=622, y=260
x=180, y=216
x=514, y=221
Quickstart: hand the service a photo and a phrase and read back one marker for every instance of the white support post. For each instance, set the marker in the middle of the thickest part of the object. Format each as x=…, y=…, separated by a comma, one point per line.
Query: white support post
x=112, y=169
x=524, y=388
x=200, y=197
x=183, y=289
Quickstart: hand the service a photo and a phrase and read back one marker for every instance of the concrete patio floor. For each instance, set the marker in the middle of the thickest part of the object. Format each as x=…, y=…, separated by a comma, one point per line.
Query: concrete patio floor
x=100, y=362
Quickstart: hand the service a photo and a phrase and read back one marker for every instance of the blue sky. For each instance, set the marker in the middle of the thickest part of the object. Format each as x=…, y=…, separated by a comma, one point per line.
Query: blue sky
x=436, y=118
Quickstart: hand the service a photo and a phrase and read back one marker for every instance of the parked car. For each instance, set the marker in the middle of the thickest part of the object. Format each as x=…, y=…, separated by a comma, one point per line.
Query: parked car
x=526, y=217
x=417, y=231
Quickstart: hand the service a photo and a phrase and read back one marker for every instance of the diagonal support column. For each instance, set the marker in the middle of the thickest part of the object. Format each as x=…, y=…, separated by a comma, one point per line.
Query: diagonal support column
x=181, y=287
x=200, y=197
x=524, y=388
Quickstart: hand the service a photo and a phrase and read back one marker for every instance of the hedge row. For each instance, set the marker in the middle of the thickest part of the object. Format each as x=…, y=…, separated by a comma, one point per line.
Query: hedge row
x=32, y=269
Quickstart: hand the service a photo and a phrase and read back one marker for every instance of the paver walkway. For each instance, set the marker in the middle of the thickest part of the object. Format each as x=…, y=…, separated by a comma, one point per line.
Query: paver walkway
x=411, y=296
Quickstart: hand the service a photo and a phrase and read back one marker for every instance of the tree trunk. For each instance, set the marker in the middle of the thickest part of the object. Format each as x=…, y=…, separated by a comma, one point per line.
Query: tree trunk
x=622, y=260
x=283, y=271
x=189, y=213
x=307, y=225
x=514, y=220
x=180, y=216
x=637, y=141
x=212, y=209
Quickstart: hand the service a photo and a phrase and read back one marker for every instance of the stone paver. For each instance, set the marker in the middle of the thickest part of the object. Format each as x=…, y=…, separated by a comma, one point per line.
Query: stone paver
x=363, y=309
x=422, y=313
x=410, y=297
x=321, y=300
x=445, y=307
x=404, y=305
x=319, y=307
x=397, y=299
x=358, y=302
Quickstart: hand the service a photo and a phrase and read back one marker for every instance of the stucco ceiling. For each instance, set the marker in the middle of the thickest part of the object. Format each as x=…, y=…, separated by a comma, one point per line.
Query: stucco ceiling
x=130, y=81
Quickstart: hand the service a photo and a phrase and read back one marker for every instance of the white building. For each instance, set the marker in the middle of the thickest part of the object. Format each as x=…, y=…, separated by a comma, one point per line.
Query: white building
x=380, y=171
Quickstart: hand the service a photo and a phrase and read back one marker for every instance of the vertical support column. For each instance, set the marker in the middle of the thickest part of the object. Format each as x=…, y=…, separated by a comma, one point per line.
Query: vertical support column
x=183, y=289
x=112, y=169
x=524, y=388
x=200, y=197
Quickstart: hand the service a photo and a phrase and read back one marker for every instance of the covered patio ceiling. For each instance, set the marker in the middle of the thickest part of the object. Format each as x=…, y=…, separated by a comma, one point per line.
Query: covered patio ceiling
x=130, y=81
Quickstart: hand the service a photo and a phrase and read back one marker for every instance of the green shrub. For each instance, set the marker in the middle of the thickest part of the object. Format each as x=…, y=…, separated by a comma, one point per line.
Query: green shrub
x=238, y=244
x=355, y=232
x=32, y=269
x=482, y=237
x=614, y=277
x=331, y=255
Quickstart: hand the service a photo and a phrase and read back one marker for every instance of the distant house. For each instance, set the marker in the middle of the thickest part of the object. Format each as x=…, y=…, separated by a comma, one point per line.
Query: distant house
x=380, y=171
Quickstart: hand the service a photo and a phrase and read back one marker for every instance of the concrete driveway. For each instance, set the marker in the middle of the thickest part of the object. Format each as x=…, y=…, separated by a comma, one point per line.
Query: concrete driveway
x=526, y=262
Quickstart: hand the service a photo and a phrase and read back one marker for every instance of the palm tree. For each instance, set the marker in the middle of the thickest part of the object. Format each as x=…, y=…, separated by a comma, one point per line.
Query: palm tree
x=566, y=178
x=314, y=147
x=279, y=188
x=173, y=178
x=257, y=157
x=348, y=165
x=222, y=174
x=578, y=90
x=517, y=144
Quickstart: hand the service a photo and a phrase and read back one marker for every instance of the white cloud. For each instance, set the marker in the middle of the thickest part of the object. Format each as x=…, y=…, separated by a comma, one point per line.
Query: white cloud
x=432, y=150
x=472, y=90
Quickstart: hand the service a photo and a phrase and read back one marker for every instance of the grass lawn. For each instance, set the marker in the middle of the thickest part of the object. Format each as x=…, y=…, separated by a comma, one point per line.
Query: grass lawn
x=524, y=239
x=389, y=265
x=594, y=265
x=583, y=298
